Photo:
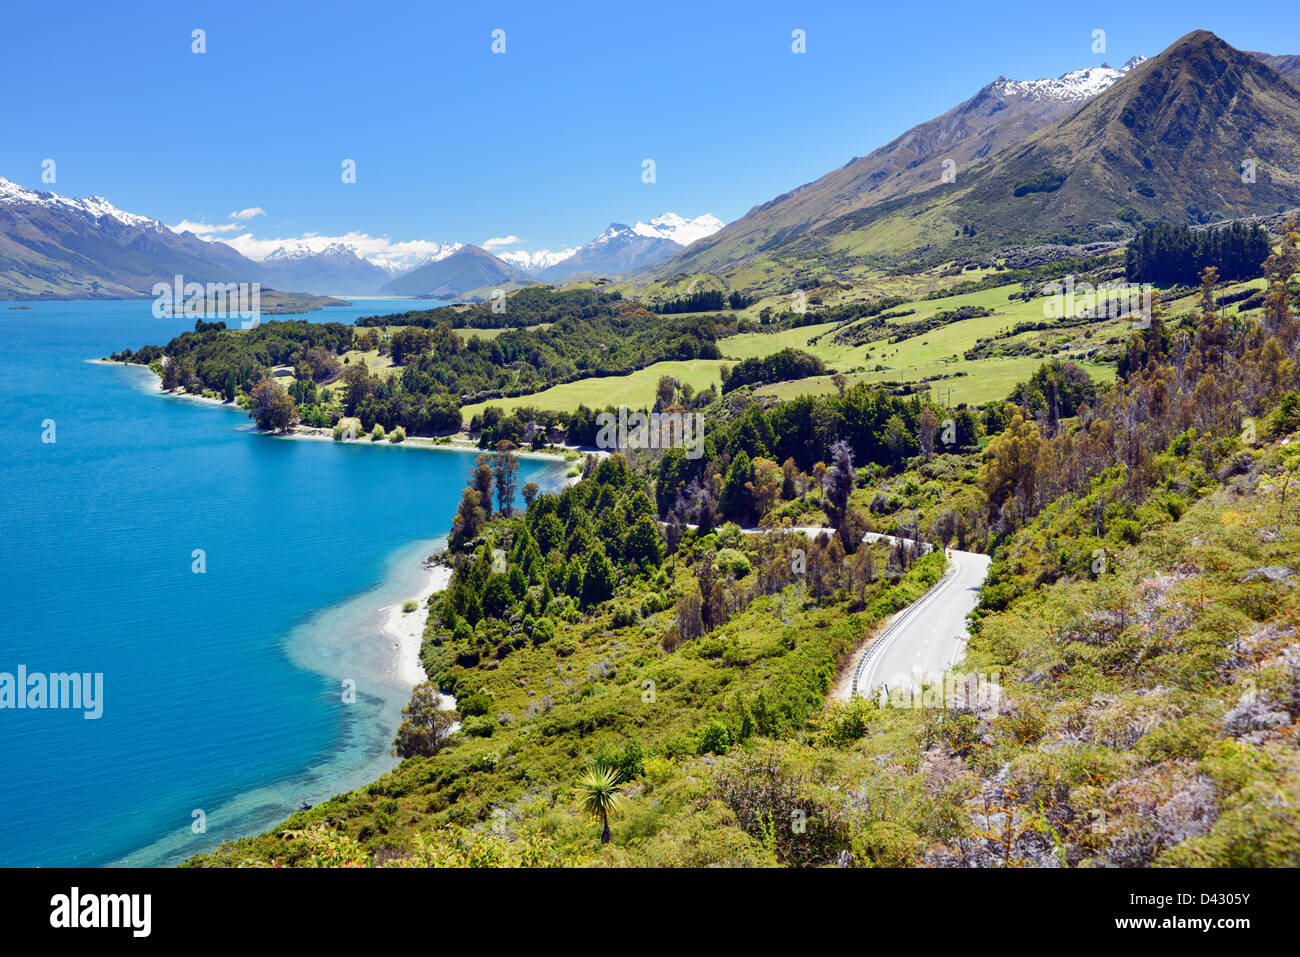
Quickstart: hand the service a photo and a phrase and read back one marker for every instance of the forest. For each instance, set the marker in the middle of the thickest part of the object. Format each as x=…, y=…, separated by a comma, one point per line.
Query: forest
x=1178, y=254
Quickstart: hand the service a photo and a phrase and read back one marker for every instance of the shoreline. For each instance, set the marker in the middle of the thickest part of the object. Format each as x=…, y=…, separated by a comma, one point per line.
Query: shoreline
x=407, y=628
x=311, y=434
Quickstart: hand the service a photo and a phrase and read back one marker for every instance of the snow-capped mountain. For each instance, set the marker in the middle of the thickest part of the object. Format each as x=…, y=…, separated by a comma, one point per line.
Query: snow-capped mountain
x=336, y=269
x=679, y=229
x=999, y=114
x=93, y=208
x=456, y=276
x=538, y=261
x=624, y=249
x=619, y=249
x=1075, y=86
x=60, y=247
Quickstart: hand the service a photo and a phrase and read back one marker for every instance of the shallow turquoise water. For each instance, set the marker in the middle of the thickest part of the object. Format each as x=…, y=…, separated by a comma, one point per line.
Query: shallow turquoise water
x=222, y=690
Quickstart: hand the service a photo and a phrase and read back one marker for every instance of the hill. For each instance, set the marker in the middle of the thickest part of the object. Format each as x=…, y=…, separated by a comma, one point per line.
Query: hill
x=469, y=268
x=1164, y=142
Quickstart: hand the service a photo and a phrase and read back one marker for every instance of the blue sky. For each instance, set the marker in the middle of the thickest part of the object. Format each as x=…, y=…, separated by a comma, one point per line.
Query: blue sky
x=545, y=142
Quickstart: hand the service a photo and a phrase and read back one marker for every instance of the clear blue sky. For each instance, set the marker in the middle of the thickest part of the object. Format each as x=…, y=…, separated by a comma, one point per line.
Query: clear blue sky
x=544, y=142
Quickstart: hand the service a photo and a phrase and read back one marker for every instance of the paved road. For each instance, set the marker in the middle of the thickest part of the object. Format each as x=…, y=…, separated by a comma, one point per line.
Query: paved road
x=925, y=639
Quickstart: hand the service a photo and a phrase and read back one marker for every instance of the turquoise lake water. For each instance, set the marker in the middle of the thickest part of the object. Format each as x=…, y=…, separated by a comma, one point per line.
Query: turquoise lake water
x=223, y=690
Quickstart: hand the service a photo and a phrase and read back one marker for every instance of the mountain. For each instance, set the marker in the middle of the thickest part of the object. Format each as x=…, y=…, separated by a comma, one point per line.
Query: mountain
x=1288, y=65
x=336, y=270
x=617, y=250
x=536, y=262
x=1163, y=142
x=1003, y=112
x=468, y=269
x=679, y=229
x=57, y=247
x=624, y=249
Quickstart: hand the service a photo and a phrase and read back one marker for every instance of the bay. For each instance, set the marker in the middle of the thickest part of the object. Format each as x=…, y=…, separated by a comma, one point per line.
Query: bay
x=222, y=690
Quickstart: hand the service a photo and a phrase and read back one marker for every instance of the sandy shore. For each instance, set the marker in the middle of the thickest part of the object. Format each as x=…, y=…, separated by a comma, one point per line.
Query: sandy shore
x=407, y=629
x=456, y=443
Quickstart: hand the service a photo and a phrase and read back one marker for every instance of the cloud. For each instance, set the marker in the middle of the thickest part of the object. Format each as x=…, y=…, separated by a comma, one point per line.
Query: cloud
x=378, y=249
x=208, y=230
x=203, y=230
x=501, y=241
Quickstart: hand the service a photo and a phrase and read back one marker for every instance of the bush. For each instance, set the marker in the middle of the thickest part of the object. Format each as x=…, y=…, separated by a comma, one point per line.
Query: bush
x=481, y=726
x=409, y=606
x=886, y=844
x=397, y=435
x=730, y=535
x=625, y=615
x=347, y=429
x=474, y=706
x=715, y=738
x=1046, y=181
x=658, y=770
x=845, y=723
x=731, y=562
x=543, y=631
x=377, y=433
x=1126, y=531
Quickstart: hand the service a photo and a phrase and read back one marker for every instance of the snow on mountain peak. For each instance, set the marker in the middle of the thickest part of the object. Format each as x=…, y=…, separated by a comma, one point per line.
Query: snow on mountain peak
x=538, y=260
x=679, y=229
x=94, y=207
x=1077, y=85
x=304, y=249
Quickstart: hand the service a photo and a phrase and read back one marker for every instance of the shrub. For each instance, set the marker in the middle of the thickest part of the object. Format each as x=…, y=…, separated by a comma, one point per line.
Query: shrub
x=397, y=435
x=475, y=705
x=376, y=433
x=1126, y=531
x=463, y=633
x=543, y=631
x=409, y=606
x=1046, y=181
x=731, y=562
x=347, y=429
x=845, y=723
x=625, y=615
x=481, y=726
x=715, y=738
x=730, y=535
x=658, y=770
x=886, y=844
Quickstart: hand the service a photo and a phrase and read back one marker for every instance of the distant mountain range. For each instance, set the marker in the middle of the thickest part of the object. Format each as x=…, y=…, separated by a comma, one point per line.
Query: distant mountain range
x=1087, y=156
x=53, y=246
x=336, y=270
x=468, y=270
x=624, y=249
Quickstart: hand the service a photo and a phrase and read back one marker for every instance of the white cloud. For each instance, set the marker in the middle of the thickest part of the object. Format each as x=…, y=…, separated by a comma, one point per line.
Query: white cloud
x=501, y=241
x=378, y=249
x=244, y=215
x=203, y=230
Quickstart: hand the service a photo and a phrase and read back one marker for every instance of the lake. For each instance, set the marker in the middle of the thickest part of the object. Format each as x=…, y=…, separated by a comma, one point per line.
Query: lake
x=222, y=691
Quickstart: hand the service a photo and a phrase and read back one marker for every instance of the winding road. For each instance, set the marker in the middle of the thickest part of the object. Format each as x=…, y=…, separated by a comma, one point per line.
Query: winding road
x=927, y=637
